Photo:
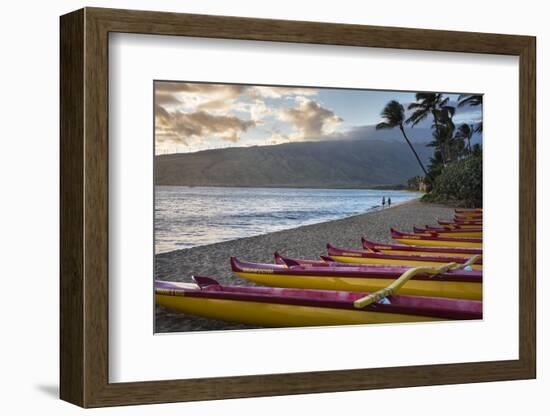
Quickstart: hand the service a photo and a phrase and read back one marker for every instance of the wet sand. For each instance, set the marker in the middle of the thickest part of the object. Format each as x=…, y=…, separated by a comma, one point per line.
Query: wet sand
x=306, y=242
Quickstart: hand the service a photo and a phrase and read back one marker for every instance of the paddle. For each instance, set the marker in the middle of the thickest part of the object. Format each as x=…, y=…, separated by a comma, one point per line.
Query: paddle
x=406, y=276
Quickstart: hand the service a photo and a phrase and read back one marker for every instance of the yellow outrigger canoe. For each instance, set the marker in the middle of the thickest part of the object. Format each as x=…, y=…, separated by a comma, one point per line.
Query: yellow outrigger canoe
x=352, y=256
x=408, y=249
x=460, y=225
x=445, y=232
x=282, y=307
x=458, y=284
x=436, y=241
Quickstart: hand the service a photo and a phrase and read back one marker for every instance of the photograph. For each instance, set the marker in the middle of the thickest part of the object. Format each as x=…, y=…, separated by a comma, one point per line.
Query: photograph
x=300, y=206
x=280, y=206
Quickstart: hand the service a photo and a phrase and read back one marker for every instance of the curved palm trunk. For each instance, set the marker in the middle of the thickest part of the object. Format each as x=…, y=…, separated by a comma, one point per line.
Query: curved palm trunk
x=412, y=148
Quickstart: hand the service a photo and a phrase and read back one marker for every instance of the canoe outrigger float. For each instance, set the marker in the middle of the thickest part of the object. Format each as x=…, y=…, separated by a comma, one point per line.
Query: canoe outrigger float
x=283, y=307
x=352, y=256
x=412, y=249
x=454, y=283
x=444, y=232
x=431, y=240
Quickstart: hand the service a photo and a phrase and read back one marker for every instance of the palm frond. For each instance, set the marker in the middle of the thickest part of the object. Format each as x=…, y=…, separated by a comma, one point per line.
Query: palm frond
x=383, y=125
x=417, y=117
x=470, y=99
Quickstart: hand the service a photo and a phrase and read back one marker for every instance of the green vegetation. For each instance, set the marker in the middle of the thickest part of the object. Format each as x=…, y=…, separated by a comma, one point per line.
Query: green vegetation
x=454, y=174
x=460, y=183
x=396, y=187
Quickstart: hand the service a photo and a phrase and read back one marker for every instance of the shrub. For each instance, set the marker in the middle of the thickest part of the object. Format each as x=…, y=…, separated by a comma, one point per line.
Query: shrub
x=460, y=184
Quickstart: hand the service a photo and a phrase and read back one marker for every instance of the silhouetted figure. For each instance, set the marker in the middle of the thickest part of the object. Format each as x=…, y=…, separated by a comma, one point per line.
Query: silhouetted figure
x=389, y=202
x=383, y=201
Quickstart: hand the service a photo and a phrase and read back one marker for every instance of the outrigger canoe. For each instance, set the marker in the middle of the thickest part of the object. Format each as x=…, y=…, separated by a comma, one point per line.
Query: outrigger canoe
x=437, y=241
x=352, y=256
x=452, y=284
x=460, y=225
x=461, y=217
x=340, y=261
x=411, y=249
x=283, y=307
x=444, y=232
x=469, y=211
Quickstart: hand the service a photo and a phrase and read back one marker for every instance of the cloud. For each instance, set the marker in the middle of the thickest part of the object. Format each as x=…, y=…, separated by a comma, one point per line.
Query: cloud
x=256, y=109
x=280, y=92
x=196, y=96
x=182, y=128
x=310, y=120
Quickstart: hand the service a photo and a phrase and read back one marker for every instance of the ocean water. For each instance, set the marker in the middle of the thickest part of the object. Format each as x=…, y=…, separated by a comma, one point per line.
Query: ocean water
x=187, y=217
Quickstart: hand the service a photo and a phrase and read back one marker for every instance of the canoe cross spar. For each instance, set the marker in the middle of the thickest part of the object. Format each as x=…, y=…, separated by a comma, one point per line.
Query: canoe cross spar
x=405, y=277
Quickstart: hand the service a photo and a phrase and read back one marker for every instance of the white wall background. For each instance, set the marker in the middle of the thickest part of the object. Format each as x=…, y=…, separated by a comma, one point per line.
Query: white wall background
x=29, y=206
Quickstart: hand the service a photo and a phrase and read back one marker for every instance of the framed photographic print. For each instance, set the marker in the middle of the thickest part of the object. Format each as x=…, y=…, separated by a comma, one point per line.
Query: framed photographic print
x=261, y=207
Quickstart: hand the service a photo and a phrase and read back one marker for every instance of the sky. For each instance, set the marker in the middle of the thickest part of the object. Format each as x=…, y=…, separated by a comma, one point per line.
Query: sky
x=190, y=117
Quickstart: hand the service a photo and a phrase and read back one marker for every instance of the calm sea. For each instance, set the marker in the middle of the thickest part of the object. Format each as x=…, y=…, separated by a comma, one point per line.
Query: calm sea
x=193, y=216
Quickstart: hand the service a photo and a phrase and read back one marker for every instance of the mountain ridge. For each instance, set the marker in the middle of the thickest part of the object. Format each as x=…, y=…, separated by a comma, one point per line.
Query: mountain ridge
x=329, y=164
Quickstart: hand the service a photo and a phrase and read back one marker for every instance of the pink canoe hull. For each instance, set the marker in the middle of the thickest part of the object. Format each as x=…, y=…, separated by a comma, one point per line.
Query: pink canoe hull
x=209, y=289
x=335, y=251
x=377, y=247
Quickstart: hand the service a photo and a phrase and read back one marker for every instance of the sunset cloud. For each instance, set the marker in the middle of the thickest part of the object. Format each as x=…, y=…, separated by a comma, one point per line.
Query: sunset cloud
x=184, y=128
x=197, y=96
x=310, y=119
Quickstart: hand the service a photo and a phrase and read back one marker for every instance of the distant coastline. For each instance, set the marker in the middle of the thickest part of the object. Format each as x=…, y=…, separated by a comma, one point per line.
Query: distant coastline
x=392, y=187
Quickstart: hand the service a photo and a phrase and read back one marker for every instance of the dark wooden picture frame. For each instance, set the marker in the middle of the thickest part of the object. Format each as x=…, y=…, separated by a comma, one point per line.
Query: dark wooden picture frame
x=84, y=207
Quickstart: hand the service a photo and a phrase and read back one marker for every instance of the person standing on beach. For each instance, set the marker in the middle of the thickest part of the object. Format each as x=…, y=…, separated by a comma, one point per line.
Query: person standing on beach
x=383, y=201
x=389, y=202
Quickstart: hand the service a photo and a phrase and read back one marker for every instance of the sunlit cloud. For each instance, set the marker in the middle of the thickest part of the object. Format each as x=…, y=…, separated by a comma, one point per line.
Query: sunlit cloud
x=310, y=120
x=280, y=92
x=185, y=128
x=197, y=96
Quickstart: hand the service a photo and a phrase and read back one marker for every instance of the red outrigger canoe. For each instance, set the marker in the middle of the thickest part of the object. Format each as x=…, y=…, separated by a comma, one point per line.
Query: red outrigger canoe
x=434, y=240
x=460, y=225
x=432, y=229
x=352, y=256
x=445, y=232
x=410, y=249
x=461, y=222
x=283, y=307
x=460, y=217
x=452, y=284
x=469, y=210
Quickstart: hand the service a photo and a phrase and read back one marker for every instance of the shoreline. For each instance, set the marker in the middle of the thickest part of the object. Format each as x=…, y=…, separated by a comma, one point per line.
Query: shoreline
x=368, y=211
x=307, y=241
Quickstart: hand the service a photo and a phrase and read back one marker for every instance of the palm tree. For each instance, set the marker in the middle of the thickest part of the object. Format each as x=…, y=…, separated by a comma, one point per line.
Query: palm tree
x=465, y=132
x=444, y=128
x=430, y=103
x=394, y=116
x=473, y=100
x=426, y=103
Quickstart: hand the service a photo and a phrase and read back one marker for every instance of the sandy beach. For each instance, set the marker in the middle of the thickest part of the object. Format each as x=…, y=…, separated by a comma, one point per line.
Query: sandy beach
x=305, y=242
